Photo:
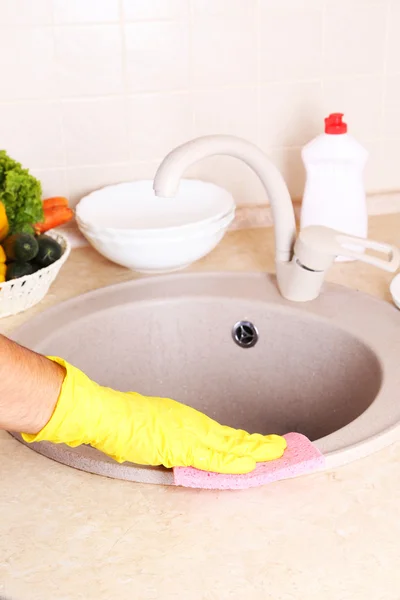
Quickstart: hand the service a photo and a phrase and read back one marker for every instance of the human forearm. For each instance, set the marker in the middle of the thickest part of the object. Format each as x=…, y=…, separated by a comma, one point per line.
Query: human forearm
x=50, y=400
x=30, y=385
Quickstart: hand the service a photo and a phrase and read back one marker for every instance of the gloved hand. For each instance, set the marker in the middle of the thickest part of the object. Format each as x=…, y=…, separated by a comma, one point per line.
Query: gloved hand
x=150, y=431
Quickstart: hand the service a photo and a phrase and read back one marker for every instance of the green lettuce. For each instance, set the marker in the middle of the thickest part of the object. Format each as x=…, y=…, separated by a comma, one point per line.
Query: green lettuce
x=21, y=194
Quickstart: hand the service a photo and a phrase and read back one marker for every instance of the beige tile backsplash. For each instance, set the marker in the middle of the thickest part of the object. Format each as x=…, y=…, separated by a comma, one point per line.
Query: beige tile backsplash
x=97, y=91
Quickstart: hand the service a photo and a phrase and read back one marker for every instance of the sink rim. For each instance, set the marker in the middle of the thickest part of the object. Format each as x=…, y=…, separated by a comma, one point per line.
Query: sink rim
x=359, y=438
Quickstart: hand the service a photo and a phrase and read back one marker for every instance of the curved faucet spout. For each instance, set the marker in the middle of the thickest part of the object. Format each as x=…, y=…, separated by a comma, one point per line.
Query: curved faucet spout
x=300, y=265
x=171, y=170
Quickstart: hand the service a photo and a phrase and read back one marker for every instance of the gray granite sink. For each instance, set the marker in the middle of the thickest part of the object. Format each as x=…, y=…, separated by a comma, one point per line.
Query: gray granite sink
x=326, y=368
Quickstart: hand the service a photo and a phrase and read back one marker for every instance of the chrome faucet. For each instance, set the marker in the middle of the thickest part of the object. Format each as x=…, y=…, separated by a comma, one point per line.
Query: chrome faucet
x=301, y=263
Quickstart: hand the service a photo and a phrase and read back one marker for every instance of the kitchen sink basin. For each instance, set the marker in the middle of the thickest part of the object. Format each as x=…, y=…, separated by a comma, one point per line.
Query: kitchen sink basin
x=229, y=345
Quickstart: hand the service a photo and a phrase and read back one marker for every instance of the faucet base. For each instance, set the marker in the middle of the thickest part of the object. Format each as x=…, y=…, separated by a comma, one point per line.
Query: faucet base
x=297, y=283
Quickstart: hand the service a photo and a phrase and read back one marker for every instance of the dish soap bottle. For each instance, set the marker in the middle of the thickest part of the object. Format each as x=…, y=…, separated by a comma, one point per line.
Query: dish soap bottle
x=334, y=193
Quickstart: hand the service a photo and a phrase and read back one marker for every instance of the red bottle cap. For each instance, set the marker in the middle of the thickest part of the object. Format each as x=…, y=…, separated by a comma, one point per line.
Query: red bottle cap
x=334, y=124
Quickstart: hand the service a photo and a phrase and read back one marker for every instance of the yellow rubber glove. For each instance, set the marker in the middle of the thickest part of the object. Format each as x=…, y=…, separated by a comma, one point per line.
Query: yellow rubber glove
x=150, y=431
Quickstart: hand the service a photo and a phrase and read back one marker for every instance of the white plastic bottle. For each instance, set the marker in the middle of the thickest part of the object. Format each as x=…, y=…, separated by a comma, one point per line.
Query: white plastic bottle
x=334, y=193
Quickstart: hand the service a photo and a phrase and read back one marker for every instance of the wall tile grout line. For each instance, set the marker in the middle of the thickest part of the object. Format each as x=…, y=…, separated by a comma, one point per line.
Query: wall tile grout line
x=94, y=97
x=57, y=100
x=191, y=83
x=258, y=34
x=385, y=80
x=90, y=99
x=125, y=76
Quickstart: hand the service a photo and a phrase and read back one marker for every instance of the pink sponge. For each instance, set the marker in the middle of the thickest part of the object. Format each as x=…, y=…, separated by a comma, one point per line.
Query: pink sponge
x=300, y=457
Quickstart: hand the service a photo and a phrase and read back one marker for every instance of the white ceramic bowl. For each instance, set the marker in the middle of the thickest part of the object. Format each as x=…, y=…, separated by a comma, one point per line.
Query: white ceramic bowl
x=130, y=226
x=133, y=206
x=161, y=254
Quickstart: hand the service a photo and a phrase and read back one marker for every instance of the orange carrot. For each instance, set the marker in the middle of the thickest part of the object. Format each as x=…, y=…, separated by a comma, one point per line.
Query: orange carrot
x=54, y=217
x=54, y=202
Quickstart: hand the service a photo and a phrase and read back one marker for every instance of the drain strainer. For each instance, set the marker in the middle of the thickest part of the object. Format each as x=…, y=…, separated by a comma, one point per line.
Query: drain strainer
x=245, y=334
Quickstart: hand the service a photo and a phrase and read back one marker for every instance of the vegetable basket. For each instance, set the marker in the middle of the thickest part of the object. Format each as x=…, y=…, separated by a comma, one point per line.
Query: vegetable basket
x=20, y=294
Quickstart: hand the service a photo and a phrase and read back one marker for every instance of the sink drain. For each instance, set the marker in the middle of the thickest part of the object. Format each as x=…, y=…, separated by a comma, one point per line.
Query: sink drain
x=245, y=334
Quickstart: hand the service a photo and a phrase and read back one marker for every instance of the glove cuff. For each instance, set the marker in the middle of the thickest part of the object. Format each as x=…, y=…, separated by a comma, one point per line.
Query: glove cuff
x=73, y=411
x=88, y=413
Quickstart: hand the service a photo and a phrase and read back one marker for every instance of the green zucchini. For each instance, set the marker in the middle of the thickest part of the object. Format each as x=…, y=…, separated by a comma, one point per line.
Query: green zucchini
x=21, y=247
x=18, y=269
x=49, y=251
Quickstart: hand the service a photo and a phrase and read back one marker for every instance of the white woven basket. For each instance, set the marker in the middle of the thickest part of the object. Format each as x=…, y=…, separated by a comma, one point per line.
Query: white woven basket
x=20, y=294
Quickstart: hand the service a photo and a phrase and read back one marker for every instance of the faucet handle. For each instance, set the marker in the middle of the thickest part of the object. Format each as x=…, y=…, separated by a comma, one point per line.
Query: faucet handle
x=390, y=263
x=317, y=247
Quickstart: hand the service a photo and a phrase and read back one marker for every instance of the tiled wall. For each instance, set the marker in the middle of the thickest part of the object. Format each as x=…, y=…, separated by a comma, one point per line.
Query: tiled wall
x=97, y=91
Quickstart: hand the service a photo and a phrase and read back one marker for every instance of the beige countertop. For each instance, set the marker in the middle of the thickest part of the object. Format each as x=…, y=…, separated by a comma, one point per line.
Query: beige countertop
x=66, y=534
